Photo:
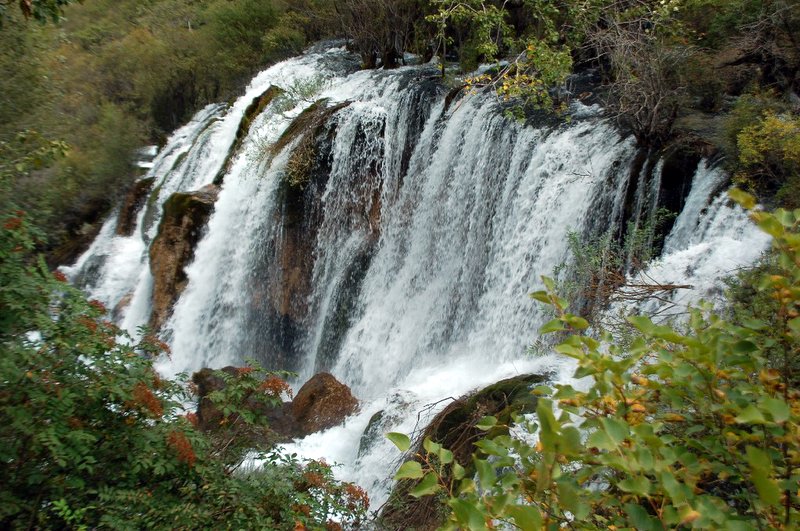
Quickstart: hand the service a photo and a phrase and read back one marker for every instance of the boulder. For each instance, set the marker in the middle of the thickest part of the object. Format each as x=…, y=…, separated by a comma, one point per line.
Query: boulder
x=209, y=416
x=454, y=428
x=121, y=306
x=185, y=217
x=323, y=402
x=134, y=199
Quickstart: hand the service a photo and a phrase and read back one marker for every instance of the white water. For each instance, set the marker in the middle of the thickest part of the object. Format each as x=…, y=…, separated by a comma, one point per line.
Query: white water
x=712, y=239
x=474, y=207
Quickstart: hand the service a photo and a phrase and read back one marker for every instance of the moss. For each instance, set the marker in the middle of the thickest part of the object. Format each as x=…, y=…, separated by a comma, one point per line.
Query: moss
x=300, y=164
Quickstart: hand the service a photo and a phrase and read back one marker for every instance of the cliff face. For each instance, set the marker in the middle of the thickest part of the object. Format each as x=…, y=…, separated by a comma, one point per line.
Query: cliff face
x=185, y=216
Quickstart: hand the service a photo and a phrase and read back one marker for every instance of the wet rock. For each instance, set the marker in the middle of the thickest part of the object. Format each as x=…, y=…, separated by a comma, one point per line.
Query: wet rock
x=323, y=402
x=185, y=217
x=454, y=428
x=134, y=200
x=209, y=416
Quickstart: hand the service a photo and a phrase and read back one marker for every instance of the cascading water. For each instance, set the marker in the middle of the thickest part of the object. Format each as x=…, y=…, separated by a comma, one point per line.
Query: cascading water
x=389, y=235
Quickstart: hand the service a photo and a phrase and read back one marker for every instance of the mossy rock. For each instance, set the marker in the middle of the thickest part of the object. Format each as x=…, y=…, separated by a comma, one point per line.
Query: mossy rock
x=252, y=112
x=454, y=428
x=304, y=130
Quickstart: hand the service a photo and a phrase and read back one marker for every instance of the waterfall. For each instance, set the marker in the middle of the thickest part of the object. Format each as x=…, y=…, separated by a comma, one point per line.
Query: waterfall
x=373, y=226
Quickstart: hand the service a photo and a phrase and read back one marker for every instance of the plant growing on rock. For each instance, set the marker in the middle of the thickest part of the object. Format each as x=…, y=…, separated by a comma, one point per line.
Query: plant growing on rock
x=681, y=428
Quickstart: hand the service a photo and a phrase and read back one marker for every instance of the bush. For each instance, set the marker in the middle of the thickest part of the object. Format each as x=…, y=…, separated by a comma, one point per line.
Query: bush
x=696, y=426
x=93, y=437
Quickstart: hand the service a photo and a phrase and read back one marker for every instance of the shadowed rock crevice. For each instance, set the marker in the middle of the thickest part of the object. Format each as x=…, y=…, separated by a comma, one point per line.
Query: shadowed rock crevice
x=252, y=112
x=133, y=202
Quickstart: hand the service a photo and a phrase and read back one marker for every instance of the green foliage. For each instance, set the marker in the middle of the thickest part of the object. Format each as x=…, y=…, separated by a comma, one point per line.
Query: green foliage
x=543, y=55
x=92, y=437
x=40, y=10
x=681, y=428
x=114, y=75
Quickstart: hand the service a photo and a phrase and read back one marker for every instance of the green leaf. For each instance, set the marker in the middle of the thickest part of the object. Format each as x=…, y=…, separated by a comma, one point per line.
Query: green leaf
x=601, y=440
x=467, y=514
x=744, y=347
x=794, y=325
x=541, y=390
x=458, y=471
x=486, y=423
x=526, y=517
x=430, y=446
x=639, y=485
x=409, y=470
x=617, y=429
x=578, y=323
x=426, y=487
x=777, y=408
x=747, y=201
x=640, y=518
x=541, y=296
x=643, y=324
x=552, y=326
x=486, y=474
x=445, y=456
x=750, y=415
x=770, y=225
x=400, y=440
x=761, y=472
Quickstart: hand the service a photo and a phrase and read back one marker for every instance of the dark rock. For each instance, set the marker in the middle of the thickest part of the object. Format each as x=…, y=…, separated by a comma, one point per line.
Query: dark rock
x=454, y=428
x=134, y=200
x=185, y=216
x=209, y=416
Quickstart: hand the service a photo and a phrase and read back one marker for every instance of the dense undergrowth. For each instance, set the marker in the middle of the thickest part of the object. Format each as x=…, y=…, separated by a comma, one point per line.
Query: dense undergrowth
x=93, y=438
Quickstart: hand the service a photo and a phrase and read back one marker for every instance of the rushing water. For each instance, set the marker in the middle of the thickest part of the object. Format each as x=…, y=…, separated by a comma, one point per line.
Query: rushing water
x=433, y=221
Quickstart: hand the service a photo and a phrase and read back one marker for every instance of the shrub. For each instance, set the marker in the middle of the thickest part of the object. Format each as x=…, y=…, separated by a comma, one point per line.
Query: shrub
x=686, y=427
x=93, y=437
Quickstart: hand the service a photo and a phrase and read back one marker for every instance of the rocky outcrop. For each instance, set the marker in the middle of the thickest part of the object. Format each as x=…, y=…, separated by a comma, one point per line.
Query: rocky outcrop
x=185, y=216
x=323, y=402
x=455, y=429
x=134, y=200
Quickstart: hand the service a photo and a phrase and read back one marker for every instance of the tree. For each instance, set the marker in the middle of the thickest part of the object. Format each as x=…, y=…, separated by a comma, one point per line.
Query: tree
x=379, y=29
x=645, y=63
